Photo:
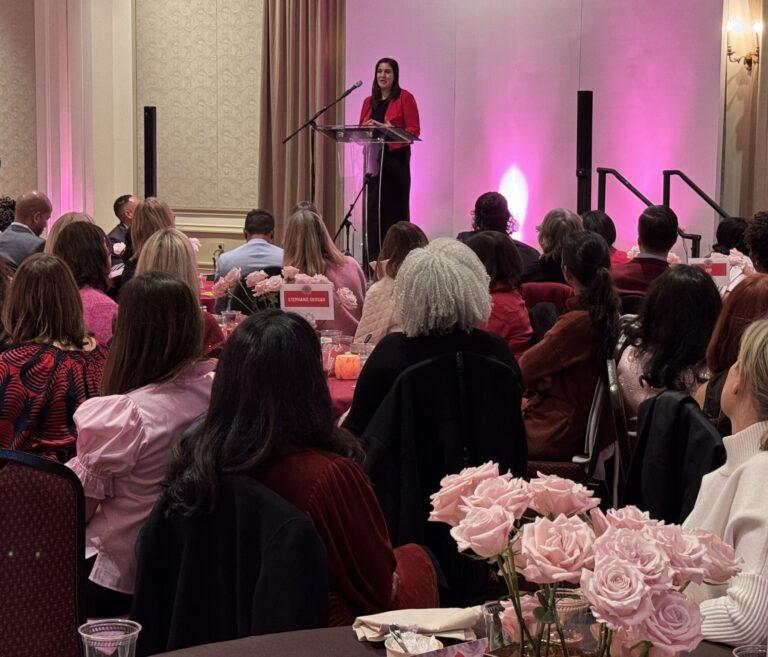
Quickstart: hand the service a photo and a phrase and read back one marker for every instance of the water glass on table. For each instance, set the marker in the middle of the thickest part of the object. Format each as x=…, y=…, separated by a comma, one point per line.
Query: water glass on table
x=751, y=651
x=111, y=636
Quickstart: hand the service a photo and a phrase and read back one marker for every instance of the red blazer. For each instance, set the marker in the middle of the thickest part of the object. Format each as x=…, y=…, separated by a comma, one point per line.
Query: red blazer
x=635, y=276
x=402, y=112
x=618, y=257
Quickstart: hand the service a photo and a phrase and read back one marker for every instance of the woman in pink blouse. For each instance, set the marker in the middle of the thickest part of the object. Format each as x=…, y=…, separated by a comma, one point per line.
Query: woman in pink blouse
x=155, y=384
x=308, y=247
x=83, y=246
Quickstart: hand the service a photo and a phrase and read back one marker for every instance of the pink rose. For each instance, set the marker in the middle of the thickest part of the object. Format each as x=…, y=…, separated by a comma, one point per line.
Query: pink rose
x=484, y=531
x=673, y=259
x=256, y=277
x=446, y=501
x=616, y=592
x=290, y=272
x=509, y=493
x=220, y=288
x=232, y=276
x=346, y=298
x=553, y=495
x=722, y=562
x=556, y=550
x=633, y=547
x=509, y=621
x=273, y=283
x=674, y=625
x=118, y=248
x=194, y=243
x=629, y=517
x=686, y=552
x=634, y=251
x=302, y=279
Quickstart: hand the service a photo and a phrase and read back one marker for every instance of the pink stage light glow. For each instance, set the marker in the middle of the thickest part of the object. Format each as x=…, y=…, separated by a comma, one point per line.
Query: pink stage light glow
x=514, y=188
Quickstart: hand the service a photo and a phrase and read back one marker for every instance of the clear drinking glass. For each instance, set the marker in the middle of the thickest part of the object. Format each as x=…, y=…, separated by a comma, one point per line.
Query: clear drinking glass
x=751, y=651
x=229, y=316
x=111, y=636
x=362, y=349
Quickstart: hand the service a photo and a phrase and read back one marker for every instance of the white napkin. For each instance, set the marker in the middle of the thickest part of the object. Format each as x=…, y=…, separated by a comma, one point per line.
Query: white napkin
x=452, y=623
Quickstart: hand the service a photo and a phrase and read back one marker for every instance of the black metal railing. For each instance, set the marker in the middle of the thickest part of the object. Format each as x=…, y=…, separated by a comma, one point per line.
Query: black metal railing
x=602, y=174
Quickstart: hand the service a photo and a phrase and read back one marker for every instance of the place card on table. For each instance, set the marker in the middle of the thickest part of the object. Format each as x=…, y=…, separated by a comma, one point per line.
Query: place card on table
x=315, y=300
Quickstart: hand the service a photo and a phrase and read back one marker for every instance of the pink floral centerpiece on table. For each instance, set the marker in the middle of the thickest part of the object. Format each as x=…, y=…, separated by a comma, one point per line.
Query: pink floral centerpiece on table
x=631, y=570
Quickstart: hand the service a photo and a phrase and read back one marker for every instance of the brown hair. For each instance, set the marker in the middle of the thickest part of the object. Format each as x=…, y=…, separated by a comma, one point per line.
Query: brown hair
x=158, y=332
x=402, y=238
x=747, y=302
x=83, y=247
x=170, y=251
x=308, y=245
x=556, y=226
x=150, y=215
x=65, y=220
x=44, y=305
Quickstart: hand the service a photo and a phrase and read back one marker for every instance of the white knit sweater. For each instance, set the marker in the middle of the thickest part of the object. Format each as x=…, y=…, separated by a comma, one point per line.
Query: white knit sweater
x=379, y=317
x=733, y=504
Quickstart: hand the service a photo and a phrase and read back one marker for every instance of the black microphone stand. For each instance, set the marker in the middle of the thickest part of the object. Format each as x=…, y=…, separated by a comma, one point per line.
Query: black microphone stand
x=310, y=123
x=346, y=225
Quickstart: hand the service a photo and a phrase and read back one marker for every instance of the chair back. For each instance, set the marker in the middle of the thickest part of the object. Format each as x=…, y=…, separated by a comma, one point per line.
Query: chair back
x=630, y=303
x=554, y=293
x=42, y=557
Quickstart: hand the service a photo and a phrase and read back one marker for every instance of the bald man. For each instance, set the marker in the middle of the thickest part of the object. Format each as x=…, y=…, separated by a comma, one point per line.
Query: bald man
x=22, y=238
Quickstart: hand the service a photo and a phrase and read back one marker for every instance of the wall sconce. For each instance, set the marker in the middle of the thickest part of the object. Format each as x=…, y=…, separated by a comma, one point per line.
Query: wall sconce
x=750, y=57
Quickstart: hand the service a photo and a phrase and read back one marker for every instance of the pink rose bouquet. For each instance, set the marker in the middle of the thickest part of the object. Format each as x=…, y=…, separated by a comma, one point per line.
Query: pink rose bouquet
x=484, y=531
x=556, y=550
x=553, y=495
x=446, y=502
x=346, y=298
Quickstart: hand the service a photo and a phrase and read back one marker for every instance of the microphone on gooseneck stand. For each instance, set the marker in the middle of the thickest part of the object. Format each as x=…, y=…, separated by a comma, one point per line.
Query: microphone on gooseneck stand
x=357, y=84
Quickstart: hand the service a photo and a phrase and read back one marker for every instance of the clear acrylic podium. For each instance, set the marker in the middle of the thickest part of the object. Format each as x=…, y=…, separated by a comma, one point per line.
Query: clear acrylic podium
x=372, y=139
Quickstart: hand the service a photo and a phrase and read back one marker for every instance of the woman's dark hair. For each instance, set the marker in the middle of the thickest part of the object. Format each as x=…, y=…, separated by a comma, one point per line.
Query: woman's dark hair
x=83, y=246
x=375, y=91
x=492, y=213
x=402, y=238
x=500, y=257
x=588, y=260
x=269, y=394
x=730, y=235
x=597, y=221
x=158, y=332
x=756, y=237
x=674, y=325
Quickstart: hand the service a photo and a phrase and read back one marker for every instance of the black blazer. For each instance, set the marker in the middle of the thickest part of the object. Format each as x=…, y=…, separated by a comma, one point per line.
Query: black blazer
x=255, y=565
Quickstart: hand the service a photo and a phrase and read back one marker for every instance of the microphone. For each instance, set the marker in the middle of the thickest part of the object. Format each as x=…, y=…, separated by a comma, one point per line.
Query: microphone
x=357, y=84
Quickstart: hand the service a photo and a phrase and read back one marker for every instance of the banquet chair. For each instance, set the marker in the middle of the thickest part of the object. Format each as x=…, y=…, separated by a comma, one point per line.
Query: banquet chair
x=447, y=413
x=555, y=293
x=42, y=557
x=630, y=304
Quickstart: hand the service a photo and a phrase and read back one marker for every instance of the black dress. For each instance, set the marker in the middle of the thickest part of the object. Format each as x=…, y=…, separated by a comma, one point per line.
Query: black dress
x=395, y=182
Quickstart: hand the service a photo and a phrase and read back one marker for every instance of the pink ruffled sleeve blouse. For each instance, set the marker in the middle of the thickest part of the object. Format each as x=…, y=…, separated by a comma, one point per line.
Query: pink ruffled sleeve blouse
x=348, y=275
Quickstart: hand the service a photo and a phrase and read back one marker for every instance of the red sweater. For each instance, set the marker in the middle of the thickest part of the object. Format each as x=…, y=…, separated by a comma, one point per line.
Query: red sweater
x=636, y=276
x=402, y=112
x=509, y=319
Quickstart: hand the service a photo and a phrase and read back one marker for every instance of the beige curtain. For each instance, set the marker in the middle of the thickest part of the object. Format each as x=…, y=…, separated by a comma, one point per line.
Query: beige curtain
x=756, y=195
x=303, y=70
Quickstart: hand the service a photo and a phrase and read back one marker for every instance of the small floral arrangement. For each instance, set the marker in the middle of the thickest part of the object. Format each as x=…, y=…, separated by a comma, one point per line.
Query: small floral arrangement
x=118, y=248
x=672, y=258
x=631, y=570
x=194, y=243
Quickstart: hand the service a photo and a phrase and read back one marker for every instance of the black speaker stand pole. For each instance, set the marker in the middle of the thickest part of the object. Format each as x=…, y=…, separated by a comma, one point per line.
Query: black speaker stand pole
x=346, y=225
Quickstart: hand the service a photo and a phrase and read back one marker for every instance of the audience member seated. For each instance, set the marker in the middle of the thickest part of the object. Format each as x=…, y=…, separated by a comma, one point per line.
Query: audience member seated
x=150, y=215
x=51, y=365
x=124, y=208
x=756, y=239
x=259, y=250
x=84, y=247
x=562, y=370
x=557, y=225
x=730, y=235
x=441, y=296
x=22, y=238
x=746, y=303
x=509, y=316
x=731, y=502
x=656, y=235
x=155, y=384
x=67, y=219
x=308, y=247
x=170, y=251
x=7, y=211
x=599, y=222
x=492, y=213
x=667, y=341
x=259, y=424
x=379, y=316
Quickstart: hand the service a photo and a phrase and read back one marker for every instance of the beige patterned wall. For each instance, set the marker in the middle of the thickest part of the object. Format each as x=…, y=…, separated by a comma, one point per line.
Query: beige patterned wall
x=18, y=146
x=198, y=62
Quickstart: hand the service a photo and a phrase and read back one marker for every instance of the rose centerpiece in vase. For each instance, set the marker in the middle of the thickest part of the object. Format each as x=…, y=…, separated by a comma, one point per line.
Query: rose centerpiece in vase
x=611, y=583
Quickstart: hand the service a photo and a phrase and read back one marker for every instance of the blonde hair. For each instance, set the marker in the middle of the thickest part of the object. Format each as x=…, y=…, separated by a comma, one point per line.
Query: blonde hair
x=307, y=244
x=150, y=215
x=753, y=366
x=556, y=226
x=170, y=251
x=440, y=288
x=67, y=219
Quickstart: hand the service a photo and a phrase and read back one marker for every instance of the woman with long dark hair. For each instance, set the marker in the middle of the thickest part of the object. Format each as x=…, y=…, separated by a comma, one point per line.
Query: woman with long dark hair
x=271, y=417
x=668, y=339
x=562, y=370
x=388, y=105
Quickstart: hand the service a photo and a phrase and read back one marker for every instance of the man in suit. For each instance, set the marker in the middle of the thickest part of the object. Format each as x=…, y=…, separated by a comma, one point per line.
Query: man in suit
x=259, y=250
x=123, y=208
x=22, y=238
x=656, y=235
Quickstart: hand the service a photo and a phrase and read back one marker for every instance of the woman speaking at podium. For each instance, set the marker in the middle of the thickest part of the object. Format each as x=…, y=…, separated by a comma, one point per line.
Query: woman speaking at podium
x=388, y=105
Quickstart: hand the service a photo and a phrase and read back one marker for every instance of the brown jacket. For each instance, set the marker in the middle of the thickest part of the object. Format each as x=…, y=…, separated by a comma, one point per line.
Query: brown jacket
x=556, y=418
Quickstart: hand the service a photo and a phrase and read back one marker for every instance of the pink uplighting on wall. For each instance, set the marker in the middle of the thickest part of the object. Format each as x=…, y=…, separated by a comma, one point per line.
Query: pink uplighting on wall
x=514, y=188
